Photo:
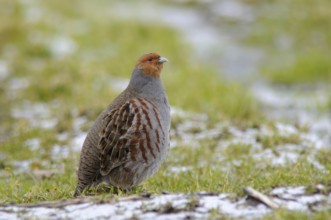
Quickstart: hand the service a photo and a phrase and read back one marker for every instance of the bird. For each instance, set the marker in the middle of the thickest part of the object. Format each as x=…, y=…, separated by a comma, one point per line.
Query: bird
x=129, y=140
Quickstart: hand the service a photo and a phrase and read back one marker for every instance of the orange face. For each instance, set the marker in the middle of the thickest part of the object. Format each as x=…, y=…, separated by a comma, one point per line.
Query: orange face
x=151, y=64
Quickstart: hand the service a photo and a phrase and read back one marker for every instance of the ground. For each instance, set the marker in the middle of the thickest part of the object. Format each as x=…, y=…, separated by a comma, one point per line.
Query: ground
x=249, y=88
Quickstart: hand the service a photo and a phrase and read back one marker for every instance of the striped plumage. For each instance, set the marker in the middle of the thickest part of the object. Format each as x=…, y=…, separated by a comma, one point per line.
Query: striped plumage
x=130, y=139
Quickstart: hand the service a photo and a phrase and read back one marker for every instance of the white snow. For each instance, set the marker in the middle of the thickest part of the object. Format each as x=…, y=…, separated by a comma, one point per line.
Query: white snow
x=172, y=206
x=61, y=46
x=38, y=114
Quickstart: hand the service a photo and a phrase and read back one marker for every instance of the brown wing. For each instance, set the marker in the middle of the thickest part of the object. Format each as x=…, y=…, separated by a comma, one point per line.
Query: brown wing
x=132, y=133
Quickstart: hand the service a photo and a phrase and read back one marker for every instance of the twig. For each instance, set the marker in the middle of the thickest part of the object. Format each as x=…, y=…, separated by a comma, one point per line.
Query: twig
x=261, y=197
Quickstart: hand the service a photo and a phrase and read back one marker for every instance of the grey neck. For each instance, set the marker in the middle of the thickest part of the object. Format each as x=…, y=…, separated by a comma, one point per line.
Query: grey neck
x=146, y=85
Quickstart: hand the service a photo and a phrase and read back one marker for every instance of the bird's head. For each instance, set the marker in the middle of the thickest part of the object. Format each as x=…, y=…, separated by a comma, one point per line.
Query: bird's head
x=151, y=64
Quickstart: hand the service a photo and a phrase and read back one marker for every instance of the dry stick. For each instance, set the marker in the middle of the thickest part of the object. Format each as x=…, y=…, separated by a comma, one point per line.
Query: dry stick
x=261, y=197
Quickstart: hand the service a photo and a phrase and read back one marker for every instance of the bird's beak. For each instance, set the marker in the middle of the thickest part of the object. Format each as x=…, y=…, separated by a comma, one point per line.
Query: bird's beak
x=162, y=60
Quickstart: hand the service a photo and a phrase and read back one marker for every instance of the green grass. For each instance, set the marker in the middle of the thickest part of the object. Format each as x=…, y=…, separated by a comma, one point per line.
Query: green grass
x=276, y=140
x=27, y=188
x=293, y=215
x=310, y=67
x=229, y=176
x=297, y=39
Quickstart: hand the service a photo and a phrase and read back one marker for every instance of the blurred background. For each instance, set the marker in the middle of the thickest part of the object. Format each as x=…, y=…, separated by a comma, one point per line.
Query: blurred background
x=238, y=62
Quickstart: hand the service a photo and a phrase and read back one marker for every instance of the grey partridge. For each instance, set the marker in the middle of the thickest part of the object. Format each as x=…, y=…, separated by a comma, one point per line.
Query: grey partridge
x=130, y=138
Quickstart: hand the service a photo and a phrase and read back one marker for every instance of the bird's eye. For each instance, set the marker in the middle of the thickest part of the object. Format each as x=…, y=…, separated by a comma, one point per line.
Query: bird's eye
x=150, y=60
